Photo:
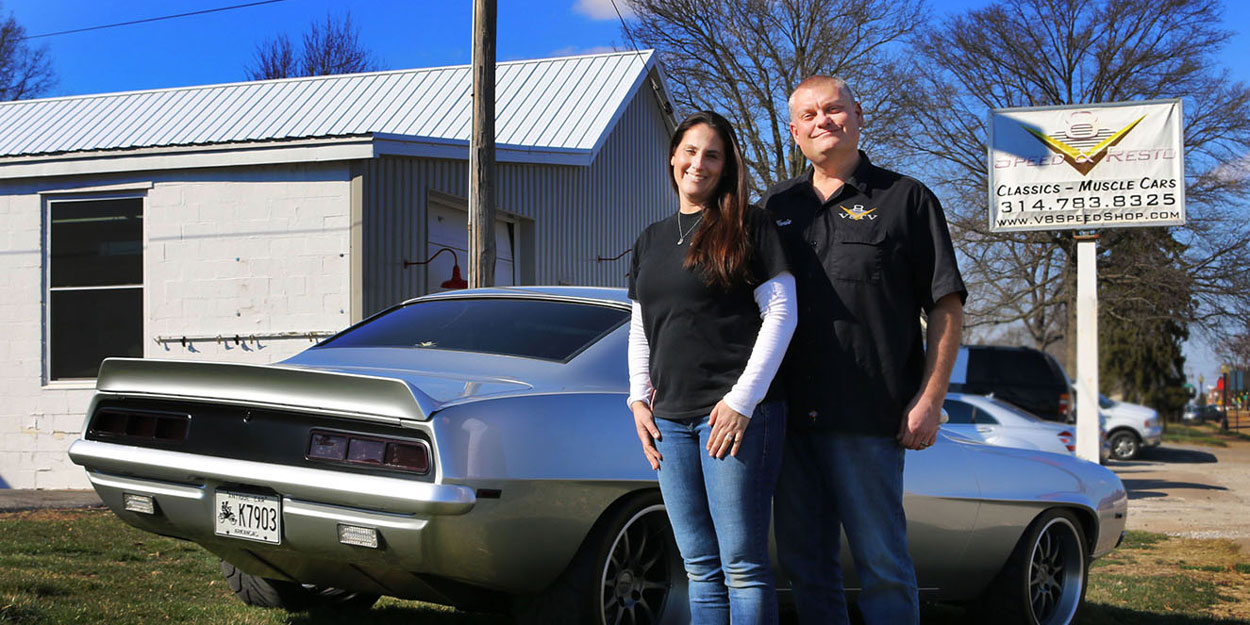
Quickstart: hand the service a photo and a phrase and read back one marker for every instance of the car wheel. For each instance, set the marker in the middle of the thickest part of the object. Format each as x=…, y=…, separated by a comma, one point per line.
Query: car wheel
x=272, y=593
x=1124, y=445
x=627, y=570
x=1043, y=582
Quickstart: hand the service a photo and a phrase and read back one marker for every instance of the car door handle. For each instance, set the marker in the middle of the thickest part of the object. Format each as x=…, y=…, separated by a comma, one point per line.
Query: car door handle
x=985, y=429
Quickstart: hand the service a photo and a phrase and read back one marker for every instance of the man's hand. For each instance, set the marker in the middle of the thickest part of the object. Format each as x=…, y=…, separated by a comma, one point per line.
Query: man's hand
x=919, y=428
x=647, y=433
x=728, y=428
x=924, y=413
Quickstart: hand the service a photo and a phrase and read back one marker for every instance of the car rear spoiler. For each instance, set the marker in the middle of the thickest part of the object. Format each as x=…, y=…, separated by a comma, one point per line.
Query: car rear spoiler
x=272, y=386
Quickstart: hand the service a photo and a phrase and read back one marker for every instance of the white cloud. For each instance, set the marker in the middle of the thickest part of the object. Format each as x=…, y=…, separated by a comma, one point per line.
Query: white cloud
x=1235, y=171
x=602, y=9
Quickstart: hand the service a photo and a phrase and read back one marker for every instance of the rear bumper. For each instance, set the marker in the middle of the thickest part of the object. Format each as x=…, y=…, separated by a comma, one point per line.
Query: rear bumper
x=437, y=542
x=1153, y=437
x=385, y=494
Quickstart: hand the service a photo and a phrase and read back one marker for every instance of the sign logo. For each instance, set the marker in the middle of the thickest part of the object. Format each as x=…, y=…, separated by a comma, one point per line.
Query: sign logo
x=1082, y=144
x=857, y=213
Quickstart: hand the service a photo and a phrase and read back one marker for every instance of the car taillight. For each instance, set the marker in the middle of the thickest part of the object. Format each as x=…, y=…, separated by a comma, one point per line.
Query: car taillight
x=377, y=451
x=140, y=425
x=1065, y=405
x=1069, y=440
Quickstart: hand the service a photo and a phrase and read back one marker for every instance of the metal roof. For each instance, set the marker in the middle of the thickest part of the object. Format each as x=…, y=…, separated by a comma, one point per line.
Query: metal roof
x=559, y=104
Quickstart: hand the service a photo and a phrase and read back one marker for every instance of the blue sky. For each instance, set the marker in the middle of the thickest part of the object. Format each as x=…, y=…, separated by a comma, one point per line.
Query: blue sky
x=216, y=47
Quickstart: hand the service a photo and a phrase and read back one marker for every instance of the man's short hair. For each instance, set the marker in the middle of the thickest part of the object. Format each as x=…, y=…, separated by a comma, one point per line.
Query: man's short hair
x=819, y=80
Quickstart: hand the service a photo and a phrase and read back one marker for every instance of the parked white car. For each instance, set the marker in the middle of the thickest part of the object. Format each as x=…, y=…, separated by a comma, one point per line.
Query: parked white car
x=997, y=422
x=1129, y=427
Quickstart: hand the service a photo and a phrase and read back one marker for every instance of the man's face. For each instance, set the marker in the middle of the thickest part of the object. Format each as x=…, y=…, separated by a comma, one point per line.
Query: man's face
x=825, y=121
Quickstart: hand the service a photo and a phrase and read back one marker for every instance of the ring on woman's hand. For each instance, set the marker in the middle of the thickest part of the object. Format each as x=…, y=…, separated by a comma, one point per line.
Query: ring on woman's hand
x=731, y=437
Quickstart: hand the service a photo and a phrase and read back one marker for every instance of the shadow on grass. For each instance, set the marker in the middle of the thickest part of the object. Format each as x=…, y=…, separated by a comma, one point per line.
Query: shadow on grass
x=396, y=615
x=12, y=613
x=1098, y=614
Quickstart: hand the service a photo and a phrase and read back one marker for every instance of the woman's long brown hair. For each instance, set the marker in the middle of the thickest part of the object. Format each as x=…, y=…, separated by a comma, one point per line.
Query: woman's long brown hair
x=720, y=249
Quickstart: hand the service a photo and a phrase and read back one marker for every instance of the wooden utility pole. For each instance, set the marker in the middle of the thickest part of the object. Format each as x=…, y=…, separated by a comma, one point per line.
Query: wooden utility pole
x=482, y=149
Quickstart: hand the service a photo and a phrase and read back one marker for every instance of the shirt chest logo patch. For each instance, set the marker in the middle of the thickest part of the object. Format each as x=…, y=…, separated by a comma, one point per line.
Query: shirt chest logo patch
x=783, y=222
x=857, y=213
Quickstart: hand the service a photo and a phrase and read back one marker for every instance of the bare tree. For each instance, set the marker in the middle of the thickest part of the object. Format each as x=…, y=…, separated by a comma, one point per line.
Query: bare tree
x=742, y=58
x=333, y=47
x=1054, y=52
x=329, y=47
x=274, y=58
x=25, y=70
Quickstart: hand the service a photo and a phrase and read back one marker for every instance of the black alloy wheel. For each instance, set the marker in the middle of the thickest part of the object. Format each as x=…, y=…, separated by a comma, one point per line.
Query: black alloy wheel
x=1057, y=571
x=637, y=578
x=1044, y=580
x=626, y=572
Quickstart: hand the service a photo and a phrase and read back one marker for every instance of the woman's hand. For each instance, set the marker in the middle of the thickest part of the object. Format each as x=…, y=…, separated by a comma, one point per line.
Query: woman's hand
x=647, y=433
x=728, y=427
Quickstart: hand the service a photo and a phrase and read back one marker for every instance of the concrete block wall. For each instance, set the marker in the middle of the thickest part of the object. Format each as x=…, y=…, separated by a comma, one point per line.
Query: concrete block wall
x=227, y=253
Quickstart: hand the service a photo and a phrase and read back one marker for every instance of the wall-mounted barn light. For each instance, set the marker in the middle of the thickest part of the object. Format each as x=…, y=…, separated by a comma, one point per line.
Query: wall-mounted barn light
x=456, y=282
x=617, y=257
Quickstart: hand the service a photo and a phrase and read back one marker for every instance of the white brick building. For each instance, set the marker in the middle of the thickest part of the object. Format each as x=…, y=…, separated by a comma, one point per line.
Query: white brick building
x=240, y=222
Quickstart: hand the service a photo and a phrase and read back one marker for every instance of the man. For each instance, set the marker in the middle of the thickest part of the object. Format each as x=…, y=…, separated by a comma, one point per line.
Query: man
x=870, y=250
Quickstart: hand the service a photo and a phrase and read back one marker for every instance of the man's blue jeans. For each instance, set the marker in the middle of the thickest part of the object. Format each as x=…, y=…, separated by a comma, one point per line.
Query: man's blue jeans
x=830, y=481
x=720, y=511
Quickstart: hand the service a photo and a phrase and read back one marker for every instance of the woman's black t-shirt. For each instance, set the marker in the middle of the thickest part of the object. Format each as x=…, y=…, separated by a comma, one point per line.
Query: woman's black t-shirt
x=700, y=336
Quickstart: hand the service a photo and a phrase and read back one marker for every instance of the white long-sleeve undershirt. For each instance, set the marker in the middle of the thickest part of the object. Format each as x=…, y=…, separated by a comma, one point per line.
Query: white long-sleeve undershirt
x=779, y=314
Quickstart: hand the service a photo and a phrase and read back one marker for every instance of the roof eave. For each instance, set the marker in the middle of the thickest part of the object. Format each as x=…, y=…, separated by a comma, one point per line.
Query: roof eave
x=235, y=154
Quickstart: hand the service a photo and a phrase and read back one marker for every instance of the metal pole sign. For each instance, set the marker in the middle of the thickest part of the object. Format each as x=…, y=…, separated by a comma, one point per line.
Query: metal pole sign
x=1086, y=166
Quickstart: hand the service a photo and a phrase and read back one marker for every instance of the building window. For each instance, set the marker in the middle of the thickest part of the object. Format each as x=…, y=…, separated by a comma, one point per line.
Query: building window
x=95, y=284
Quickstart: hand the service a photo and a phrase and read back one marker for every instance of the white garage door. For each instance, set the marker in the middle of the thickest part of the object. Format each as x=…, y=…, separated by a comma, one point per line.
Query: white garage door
x=448, y=228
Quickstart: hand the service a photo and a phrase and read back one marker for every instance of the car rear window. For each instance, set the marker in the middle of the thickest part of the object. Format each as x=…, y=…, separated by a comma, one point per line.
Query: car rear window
x=1015, y=410
x=965, y=413
x=1010, y=366
x=514, y=327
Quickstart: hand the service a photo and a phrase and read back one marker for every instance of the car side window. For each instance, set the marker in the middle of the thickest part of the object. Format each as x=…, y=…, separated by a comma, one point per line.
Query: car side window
x=959, y=412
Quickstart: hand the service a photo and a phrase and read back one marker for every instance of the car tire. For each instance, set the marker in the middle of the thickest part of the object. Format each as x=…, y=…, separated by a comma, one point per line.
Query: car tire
x=293, y=597
x=1044, y=580
x=626, y=570
x=1125, y=444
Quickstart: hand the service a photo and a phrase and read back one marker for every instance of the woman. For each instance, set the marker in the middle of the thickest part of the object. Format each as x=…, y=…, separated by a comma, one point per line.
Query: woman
x=713, y=312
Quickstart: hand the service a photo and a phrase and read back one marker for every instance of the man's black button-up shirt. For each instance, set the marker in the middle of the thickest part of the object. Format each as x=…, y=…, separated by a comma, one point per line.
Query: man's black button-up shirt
x=866, y=262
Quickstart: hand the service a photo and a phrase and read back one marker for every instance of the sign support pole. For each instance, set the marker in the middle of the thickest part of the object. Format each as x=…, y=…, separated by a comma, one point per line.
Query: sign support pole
x=1088, y=443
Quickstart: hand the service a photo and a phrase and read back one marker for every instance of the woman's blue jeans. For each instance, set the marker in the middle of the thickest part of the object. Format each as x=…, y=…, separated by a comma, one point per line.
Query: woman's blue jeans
x=720, y=511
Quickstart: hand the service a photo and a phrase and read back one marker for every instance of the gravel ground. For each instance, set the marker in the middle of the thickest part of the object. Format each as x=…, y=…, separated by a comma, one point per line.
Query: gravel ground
x=1190, y=491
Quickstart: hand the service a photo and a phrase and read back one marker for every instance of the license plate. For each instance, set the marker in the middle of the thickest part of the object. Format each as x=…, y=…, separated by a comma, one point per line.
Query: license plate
x=244, y=515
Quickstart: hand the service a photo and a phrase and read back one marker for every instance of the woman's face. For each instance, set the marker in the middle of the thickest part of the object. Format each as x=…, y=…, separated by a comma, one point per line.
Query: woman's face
x=697, y=164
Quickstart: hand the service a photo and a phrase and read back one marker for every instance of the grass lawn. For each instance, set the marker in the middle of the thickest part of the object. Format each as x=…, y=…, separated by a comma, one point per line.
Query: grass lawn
x=85, y=566
x=1208, y=434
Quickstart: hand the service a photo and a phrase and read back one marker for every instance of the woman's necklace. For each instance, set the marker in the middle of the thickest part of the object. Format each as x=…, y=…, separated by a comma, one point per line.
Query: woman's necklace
x=682, y=239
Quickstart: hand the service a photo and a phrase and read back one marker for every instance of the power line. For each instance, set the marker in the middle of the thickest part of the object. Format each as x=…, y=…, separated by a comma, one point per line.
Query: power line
x=153, y=19
x=626, y=28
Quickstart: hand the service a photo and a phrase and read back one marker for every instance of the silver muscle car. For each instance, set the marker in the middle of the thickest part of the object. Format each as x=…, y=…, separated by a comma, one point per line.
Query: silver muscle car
x=474, y=449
